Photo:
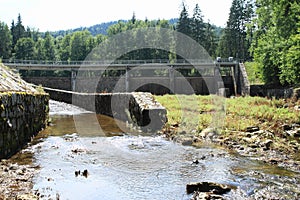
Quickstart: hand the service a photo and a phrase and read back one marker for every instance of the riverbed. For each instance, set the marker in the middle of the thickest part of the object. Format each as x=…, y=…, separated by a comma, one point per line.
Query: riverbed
x=77, y=158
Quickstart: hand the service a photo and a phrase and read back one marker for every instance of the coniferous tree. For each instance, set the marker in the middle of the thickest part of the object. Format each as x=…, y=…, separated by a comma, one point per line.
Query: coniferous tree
x=5, y=41
x=234, y=41
x=198, y=26
x=210, y=40
x=17, y=31
x=184, y=22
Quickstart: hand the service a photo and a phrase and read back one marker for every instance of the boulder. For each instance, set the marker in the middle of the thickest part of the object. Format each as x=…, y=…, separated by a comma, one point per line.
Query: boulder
x=214, y=188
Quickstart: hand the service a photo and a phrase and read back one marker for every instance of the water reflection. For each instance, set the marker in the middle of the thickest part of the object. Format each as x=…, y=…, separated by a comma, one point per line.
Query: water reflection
x=67, y=124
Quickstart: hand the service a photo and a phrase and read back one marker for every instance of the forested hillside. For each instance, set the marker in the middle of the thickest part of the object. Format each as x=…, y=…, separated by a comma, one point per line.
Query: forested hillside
x=265, y=33
x=97, y=29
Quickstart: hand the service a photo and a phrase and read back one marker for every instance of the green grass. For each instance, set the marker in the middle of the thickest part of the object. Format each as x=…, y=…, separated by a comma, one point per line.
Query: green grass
x=195, y=113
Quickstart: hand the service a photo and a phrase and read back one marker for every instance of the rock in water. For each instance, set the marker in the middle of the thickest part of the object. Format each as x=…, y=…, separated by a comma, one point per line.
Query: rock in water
x=215, y=188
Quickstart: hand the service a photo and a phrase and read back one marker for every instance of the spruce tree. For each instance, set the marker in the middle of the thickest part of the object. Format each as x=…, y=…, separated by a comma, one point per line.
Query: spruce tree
x=184, y=22
x=17, y=31
x=234, y=41
x=6, y=41
x=198, y=26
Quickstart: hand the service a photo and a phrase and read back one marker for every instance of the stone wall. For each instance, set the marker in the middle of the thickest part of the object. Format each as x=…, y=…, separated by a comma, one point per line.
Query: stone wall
x=63, y=83
x=272, y=92
x=138, y=108
x=23, y=115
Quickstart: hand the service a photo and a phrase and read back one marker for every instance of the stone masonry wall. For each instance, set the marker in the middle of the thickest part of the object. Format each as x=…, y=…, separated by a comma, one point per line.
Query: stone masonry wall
x=139, y=108
x=22, y=115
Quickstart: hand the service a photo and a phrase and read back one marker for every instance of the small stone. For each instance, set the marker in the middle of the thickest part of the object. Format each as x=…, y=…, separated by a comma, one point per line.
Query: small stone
x=187, y=142
x=77, y=173
x=286, y=127
x=196, y=161
x=253, y=145
x=251, y=129
x=205, y=196
x=85, y=173
x=208, y=133
x=268, y=143
x=297, y=133
x=273, y=161
x=27, y=197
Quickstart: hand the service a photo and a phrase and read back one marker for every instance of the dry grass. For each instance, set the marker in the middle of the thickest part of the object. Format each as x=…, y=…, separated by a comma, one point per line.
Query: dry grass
x=195, y=113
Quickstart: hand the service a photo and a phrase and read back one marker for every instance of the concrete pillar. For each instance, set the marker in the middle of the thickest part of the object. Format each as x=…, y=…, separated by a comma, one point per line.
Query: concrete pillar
x=237, y=79
x=172, y=79
x=73, y=80
x=127, y=79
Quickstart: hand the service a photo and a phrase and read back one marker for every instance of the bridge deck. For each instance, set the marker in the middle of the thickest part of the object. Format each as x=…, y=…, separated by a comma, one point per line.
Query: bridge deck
x=116, y=65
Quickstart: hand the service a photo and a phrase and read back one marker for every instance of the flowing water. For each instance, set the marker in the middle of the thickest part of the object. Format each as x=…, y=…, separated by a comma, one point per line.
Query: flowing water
x=117, y=164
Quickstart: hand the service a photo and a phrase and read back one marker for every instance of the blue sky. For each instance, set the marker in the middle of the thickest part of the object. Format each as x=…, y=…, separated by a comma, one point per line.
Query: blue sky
x=62, y=14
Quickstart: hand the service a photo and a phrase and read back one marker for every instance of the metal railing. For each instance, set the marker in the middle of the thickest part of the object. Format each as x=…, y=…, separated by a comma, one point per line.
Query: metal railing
x=108, y=62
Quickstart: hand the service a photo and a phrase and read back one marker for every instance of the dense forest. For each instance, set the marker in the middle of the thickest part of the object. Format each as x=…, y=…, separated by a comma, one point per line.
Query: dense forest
x=263, y=32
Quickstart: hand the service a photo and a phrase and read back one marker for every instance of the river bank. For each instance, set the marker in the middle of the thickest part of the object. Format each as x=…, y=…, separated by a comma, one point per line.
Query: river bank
x=261, y=129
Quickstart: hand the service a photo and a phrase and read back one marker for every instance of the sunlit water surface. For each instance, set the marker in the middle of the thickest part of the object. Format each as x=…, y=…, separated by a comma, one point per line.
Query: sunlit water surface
x=124, y=165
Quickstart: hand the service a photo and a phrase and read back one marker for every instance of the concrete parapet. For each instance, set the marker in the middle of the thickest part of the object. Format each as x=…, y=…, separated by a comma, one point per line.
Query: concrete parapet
x=244, y=82
x=139, y=108
x=147, y=112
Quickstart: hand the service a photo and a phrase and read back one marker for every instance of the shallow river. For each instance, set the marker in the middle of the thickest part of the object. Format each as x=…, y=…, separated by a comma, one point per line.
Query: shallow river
x=117, y=164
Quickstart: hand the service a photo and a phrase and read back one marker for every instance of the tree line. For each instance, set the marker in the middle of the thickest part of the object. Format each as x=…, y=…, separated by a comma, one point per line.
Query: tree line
x=268, y=33
x=264, y=31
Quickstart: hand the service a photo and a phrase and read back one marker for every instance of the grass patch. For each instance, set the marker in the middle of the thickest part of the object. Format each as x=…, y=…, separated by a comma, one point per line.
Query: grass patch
x=195, y=112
